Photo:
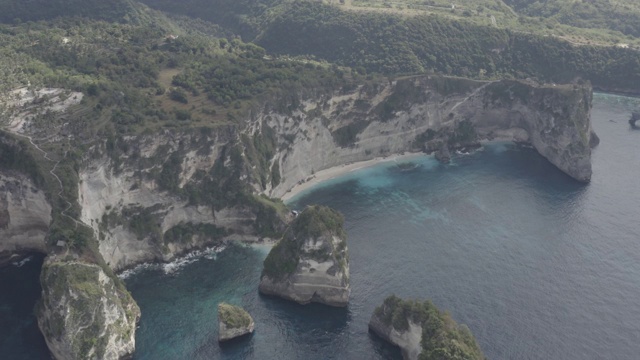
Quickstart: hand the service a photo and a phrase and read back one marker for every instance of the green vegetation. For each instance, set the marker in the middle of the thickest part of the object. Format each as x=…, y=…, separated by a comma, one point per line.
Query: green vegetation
x=442, y=338
x=89, y=294
x=346, y=135
x=233, y=316
x=465, y=133
x=184, y=233
x=313, y=222
x=143, y=71
x=14, y=155
x=438, y=44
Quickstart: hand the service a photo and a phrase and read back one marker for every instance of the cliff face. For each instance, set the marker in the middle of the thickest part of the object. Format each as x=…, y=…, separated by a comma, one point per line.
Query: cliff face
x=153, y=197
x=422, y=331
x=138, y=192
x=233, y=322
x=167, y=194
x=83, y=314
x=428, y=113
x=408, y=340
x=25, y=215
x=310, y=263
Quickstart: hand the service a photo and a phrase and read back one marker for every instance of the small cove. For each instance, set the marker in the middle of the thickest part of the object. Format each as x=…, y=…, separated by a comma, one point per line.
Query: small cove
x=537, y=265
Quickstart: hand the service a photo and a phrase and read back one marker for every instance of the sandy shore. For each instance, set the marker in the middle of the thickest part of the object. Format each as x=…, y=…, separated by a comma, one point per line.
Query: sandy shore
x=337, y=171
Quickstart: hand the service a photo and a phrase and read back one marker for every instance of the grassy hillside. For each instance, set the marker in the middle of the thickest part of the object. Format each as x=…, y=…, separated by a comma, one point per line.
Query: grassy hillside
x=618, y=15
x=140, y=78
x=431, y=37
x=12, y=11
x=391, y=43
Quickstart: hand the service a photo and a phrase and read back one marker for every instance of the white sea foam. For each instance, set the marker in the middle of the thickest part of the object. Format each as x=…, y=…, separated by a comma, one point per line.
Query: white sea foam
x=23, y=261
x=177, y=264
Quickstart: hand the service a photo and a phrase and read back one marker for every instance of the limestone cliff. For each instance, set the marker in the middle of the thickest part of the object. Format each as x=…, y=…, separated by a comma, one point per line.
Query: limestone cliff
x=151, y=197
x=422, y=331
x=310, y=263
x=233, y=322
x=25, y=215
x=84, y=314
x=156, y=197
x=429, y=113
x=408, y=340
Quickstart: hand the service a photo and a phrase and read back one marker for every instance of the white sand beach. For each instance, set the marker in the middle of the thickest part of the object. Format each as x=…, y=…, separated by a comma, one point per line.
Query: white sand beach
x=337, y=171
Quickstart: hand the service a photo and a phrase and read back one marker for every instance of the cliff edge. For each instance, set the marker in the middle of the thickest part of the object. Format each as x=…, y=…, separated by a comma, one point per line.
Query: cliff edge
x=84, y=314
x=310, y=263
x=233, y=322
x=422, y=331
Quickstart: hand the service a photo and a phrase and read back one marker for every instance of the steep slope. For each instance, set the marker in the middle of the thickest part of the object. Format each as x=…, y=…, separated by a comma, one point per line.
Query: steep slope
x=83, y=314
x=138, y=144
x=429, y=113
x=311, y=262
x=422, y=331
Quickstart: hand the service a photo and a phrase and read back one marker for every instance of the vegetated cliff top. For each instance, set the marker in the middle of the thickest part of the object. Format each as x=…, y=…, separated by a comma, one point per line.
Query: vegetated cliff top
x=233, y=316
x=316, y=221
x=430, y=41
x=587, y=22
x=442, y=338
x=313, y=223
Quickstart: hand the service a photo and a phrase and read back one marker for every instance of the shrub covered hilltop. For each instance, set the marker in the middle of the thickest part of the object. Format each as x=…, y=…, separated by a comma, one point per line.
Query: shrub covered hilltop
x=422, y=331
x=310, y=263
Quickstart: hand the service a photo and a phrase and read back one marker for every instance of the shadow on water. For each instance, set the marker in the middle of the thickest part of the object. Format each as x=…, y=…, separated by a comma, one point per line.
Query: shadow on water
x=20, y=289
x=310, y=317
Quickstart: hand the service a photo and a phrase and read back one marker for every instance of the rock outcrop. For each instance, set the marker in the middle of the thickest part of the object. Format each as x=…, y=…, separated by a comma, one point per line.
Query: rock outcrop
x=408, y=340
x=153, y=197
x=427, y=113
x=84, y=313
x=25, y=215
x=310, y=263
x=422, y=331
x=233, y=322
x=138, y=191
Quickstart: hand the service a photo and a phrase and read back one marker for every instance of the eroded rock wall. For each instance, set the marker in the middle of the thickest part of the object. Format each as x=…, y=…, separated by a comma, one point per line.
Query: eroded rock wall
x=276, y=151
x=311, y=262
x=115, y=198
x=427, y=113
x=84, y=314
x=407, y=340
x=25, y=215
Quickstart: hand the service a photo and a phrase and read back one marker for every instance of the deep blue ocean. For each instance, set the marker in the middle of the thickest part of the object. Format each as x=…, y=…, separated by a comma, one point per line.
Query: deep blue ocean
x=537, y=265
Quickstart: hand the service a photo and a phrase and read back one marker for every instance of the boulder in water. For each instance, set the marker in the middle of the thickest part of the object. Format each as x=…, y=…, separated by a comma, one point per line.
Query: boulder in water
x=233, y=322
x=310, y=263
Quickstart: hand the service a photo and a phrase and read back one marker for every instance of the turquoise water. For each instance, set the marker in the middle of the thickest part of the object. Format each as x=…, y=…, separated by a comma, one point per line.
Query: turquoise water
x=536, y=264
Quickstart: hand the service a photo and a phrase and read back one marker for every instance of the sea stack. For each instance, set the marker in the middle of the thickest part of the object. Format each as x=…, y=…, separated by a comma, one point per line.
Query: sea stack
x=233, y=322
x=84, y=313
x=310, y=263
x=422, y=331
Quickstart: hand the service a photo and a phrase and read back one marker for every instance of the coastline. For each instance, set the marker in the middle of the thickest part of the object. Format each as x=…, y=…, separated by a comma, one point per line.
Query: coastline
x=337, y=171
